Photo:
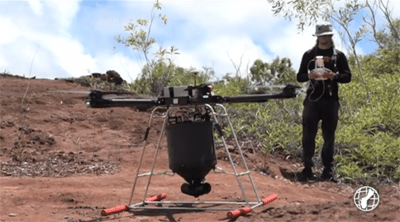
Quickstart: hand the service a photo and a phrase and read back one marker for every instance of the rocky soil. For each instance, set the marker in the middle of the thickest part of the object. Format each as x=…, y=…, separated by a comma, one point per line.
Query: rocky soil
x=63, y=161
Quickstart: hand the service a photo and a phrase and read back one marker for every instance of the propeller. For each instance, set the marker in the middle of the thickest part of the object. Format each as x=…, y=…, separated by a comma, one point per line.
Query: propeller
x=263, y=89
x=107, y=94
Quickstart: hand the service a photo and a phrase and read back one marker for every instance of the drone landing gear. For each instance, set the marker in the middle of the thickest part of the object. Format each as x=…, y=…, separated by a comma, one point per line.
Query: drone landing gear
x=193, y=162
x=196, y=189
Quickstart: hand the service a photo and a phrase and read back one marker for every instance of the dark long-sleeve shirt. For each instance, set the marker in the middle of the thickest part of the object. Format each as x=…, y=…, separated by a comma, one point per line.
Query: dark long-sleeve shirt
x=324, y=89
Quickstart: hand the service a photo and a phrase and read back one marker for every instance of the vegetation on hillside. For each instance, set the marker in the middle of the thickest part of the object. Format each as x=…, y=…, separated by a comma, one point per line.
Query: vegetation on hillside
x=368, y=134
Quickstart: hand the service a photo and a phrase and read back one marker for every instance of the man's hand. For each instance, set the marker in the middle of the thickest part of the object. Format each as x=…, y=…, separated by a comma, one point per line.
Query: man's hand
x=328, y=74
x=321, y=75
x=314, y=74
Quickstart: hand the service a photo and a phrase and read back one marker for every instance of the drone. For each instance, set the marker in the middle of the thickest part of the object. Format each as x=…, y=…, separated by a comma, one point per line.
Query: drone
x=192, y=116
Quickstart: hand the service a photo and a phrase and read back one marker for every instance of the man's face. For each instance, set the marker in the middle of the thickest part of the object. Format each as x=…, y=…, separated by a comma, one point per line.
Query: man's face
x=325, y=39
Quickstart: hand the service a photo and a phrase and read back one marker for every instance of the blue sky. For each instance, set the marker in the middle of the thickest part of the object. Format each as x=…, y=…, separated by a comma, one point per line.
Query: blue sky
x=73, y=38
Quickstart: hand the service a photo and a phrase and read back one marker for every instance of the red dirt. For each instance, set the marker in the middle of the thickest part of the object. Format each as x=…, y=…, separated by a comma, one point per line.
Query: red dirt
x=63, y=161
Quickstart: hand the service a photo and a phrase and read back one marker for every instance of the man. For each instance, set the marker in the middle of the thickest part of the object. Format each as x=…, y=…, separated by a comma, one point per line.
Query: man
x=322, y=101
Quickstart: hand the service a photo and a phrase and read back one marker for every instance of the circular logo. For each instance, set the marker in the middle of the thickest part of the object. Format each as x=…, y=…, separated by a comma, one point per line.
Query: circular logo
x=366, y=198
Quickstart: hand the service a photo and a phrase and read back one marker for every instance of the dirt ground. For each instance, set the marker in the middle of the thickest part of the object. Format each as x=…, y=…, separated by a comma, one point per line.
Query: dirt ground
x=63, y=161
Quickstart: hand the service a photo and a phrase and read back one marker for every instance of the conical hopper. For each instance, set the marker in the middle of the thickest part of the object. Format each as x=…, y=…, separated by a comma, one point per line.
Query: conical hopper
x=191, y=153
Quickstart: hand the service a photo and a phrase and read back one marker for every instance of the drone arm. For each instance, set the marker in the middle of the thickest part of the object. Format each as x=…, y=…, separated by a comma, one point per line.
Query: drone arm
x=288, y=92
x=96, y=100
x=253, y=98
x=145, y=103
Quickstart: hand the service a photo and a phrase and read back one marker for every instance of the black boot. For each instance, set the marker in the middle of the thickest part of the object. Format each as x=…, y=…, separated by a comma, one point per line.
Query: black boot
x=305, y=175
x=328, y=175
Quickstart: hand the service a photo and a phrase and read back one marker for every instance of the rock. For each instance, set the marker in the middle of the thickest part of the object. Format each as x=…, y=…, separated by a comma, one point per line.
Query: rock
x=113, y=76
x=96, y=75
x=315, y=212
x=12, y=215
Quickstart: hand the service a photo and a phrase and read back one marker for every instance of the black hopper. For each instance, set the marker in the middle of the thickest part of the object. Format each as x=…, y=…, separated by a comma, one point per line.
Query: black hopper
x=191, y=154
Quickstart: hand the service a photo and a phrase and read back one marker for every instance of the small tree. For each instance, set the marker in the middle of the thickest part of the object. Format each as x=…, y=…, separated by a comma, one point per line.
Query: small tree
x=278, y=72
x=155, y=73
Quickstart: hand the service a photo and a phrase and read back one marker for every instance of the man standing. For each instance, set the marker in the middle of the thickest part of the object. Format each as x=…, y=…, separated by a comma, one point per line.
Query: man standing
x=324, y=67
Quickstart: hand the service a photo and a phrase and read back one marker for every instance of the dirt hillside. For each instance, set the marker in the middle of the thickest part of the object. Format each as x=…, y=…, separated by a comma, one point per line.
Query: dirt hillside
x=63, y=161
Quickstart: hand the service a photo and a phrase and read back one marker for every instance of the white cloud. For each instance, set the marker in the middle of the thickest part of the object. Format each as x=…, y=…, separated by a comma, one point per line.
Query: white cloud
x=73, y=37
x=126, y=66
x=23, y=54
x=216, y=32
x=12, y=31
x=395, y=8
x=63, y=11
x=42, y=37
x=36, y=6
x=291, y=44
x=225, y=50
x=69, y=54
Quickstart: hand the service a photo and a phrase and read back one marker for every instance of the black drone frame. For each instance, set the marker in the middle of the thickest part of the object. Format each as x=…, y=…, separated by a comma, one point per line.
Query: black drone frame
x=192, y=95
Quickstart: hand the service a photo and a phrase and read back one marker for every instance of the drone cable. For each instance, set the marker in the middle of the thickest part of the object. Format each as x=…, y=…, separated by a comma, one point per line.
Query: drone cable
x=323, y=91
x=167, y=173
x=227, y=172
x=313, y=87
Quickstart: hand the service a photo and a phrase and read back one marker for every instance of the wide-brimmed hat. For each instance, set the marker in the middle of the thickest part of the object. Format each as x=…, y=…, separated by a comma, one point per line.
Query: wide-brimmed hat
x=323, y=29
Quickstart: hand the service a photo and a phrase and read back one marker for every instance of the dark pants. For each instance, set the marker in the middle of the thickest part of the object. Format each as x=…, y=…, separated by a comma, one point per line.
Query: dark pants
x=328, y=112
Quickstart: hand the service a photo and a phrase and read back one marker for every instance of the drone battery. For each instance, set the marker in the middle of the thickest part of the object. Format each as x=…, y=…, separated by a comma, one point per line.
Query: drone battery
x=191, y=150
x=179, y=91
